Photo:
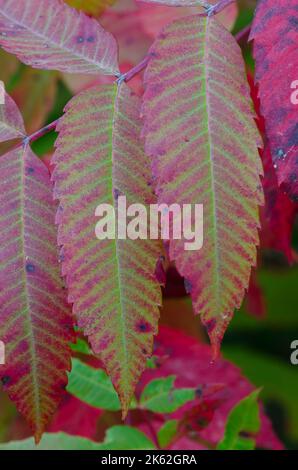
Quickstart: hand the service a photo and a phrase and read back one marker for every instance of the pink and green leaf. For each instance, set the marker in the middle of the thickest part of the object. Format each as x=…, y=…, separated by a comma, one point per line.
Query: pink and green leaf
x=99, y=157
x=203, y=142
x=51, y=35
x=11, y=121
x=35, y=320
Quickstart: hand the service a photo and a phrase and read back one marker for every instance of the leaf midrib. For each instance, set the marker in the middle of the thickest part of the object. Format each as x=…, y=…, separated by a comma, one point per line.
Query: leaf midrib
x=210, y=154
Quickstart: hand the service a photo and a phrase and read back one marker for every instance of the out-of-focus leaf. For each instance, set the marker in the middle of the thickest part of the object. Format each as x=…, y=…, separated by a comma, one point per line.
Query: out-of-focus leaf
x=81, y=346
x=243, y=422
x=126, y=438
x=35, y=96
x=62, y=39
x=53, y=441
x=92, y=386
x=161, y=396
x=221, y=386
x=255, y=300
x=117, y=438
x=91, y=7
x=167, y=432
x=8, y=66
x=11, y=121
x=279, y=380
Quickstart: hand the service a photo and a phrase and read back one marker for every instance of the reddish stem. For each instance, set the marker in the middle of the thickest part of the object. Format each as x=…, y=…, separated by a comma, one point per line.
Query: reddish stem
x=218, y=7
x=41, y=132
x=132, y=72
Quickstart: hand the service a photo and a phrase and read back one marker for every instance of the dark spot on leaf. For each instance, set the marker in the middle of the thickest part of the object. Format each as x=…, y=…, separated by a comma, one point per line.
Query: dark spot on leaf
x=210, y=325
x=30, y=170
x=293, y=177
x=116, y=193
x=91, y=39
x=80, y=39
x=188, y=286
x=5, y=380
x=30, y=268
x=143, y=327
x=293, y=22
x=199, y=392
x=293, y=138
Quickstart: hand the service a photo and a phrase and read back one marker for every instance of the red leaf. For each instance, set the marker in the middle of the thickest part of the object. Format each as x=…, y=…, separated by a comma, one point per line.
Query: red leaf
x=255, y=302
x=200, y=372
x=278, y=214
x=275, y=36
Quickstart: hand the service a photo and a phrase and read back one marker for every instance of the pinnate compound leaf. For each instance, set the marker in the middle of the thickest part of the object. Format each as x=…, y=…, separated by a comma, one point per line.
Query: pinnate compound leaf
x=244, y=418
x=51, y=35
x=91, y=7
x=117, y=438
x=202, y=139
x=275, y=36
x=11, y=121
x=161, y=396
x=98, y=158
x=35, y=319
x=92, y=386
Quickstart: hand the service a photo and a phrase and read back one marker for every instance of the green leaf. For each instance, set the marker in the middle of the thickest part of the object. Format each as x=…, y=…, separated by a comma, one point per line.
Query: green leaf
x=244, y=418
x=92, y=386
x=160, y=396
x=126, y=438
x=53, y=441
x=81, y=347
x=262, y=370
x=167, y=432
x=117, y=438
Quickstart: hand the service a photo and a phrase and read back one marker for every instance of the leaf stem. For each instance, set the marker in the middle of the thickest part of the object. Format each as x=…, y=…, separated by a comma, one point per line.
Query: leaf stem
x=40, y=133
x=212, y=10
x=125, y=77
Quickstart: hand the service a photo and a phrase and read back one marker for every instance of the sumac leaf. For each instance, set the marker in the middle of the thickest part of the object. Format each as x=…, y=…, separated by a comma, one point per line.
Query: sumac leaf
x=275, y=35
x=111, y=283
x=51, y=35
x=202, y=139
x=35, y=319
x=11, y=121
